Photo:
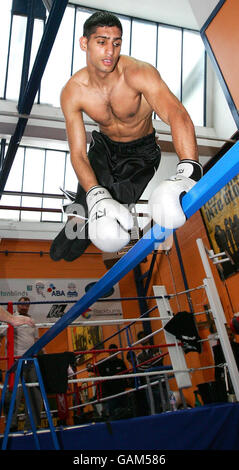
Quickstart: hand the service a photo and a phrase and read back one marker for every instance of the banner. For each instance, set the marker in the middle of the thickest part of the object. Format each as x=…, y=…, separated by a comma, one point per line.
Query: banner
x=85, y=338
x=221, y=218
x=56, y=297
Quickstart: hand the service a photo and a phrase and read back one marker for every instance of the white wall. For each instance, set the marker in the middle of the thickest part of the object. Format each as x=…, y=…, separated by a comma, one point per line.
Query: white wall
x=202, y=10
x=223, y=120
x=176, y=12
x=219, y=115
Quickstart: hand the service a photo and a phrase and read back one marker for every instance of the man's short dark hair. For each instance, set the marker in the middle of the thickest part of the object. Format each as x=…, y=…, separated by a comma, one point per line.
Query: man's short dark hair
x=100, y=18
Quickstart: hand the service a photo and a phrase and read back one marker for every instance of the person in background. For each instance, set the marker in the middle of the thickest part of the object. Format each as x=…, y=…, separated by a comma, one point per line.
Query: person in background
x=220, y=359
x=24, y=337
x=147, y=359
x=114, y=407
x=138, y=398
x=148, y=354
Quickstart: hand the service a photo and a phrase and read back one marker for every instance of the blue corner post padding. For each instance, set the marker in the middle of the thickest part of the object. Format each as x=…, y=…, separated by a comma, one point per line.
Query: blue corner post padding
x=214, y=180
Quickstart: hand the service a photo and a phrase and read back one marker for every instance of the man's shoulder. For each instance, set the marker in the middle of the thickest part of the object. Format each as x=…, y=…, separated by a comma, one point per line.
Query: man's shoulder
x=132, y=65
x=73, y=90
x=77, y=80
x=136, y=71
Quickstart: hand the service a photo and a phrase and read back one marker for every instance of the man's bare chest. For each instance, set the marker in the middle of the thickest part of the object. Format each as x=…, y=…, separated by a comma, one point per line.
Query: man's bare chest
x=121, y=104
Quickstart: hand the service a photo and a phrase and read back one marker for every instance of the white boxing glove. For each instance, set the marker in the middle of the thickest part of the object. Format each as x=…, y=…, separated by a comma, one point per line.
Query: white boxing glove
x=109, y=221
x=165, y=201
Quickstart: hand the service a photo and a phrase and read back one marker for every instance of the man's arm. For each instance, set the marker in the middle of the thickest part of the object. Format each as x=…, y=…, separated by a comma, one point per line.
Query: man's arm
x=148, y=81
x=109, y=221
x=165, y=201
x=77, y=137
x=14, y=320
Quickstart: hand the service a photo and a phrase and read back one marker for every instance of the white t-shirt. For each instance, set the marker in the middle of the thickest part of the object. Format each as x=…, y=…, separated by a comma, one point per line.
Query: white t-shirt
x=24, y=337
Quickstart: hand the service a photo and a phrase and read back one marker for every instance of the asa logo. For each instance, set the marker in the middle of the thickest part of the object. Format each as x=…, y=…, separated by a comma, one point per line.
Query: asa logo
x=55, y=292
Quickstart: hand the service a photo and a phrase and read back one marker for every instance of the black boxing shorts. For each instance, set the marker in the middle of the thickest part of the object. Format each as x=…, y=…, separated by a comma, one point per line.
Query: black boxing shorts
x=124, y=168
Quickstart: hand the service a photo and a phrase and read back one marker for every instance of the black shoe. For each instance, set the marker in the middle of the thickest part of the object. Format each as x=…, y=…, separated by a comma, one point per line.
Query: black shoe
x=60, y=246
x=69, y=250
x=77, y=248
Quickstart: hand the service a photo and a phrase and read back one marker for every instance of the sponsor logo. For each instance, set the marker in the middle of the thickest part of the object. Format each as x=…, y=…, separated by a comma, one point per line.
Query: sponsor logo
x=13, y=293
x=40, y=288
x=56, y=311
x=55, y=292
x=72, y=292
x=86, y=314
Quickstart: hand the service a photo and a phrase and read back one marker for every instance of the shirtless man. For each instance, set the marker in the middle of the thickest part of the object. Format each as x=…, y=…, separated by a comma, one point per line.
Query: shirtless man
x=120, y=93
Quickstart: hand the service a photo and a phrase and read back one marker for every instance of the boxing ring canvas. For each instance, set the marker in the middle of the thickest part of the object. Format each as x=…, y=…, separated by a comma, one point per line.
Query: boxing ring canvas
x=146, y=434
x=211, y=427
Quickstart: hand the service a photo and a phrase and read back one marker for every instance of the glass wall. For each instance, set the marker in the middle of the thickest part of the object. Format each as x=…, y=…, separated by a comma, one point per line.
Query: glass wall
x=39, y=172
x=58, y=69
x=5, y=28
x=176, y=52
x=169, y=57
x=140, y=48
x=193, y=76
x=15, y=57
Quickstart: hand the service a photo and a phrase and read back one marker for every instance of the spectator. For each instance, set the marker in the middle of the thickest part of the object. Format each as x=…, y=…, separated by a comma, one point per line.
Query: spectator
x=149, y=358
x=138, y=398
x=24, y=337
x=150, y=354
x=220, y=359
x=115, y=407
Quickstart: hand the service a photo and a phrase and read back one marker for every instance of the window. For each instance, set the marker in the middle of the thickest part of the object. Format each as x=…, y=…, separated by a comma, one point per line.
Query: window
x=58, y=69
x=40, y=171
x=169, y=57
x=126, y=25
x=177, y=53
x=37, y=35
x=70, y=176
x=16, y=57
x=79, y=60
x=5, y=21
x=193, y=76
x=140, y=48
x=14, y=183
x=54, y=179
x=33, y=172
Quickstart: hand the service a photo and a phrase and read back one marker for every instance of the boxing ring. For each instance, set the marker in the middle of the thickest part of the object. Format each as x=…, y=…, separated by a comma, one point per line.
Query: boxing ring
x=220, y=174
x=197, y=428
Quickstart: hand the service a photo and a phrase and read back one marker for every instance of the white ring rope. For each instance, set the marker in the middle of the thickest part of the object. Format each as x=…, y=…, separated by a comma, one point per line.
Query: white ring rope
x=117, y=352
x=129, y=376
x=104, y=322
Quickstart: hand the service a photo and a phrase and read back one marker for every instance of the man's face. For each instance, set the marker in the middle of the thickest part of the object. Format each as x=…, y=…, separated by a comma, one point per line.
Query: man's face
x=103, y=48
x=23, y=307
